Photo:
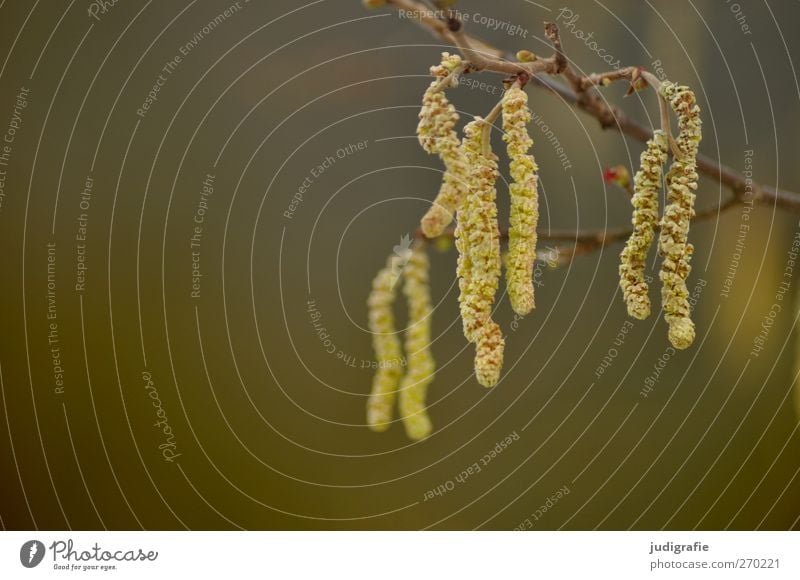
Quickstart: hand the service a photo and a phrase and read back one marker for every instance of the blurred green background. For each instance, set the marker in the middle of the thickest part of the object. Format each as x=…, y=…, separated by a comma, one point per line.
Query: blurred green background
x=265, y=427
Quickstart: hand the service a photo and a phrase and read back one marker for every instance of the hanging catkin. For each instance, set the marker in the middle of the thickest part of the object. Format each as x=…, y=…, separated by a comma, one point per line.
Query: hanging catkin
x=414, y=386
x=478, y=243
x=387, y=348
x=438, y=136
x=647, y=187
x=681, y=181
x=524, y=201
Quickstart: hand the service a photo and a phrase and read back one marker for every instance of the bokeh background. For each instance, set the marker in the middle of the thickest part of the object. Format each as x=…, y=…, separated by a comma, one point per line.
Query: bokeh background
x=265, y=427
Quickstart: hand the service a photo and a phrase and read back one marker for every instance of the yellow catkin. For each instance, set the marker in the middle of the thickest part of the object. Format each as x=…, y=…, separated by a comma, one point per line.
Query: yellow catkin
x=387, y=348
x=647, y=188
x=438, y=136
x=478, y=243
x=414, y=386
x=524, y=201
x=489, y=354
x=681, y=181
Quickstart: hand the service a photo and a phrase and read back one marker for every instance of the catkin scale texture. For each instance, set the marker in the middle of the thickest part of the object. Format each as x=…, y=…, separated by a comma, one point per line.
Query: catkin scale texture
x=524, y=216
x=674, y=248
x=478, y=243
x=421, y=366
x=647, y=187
x=437, y=135
x=478, y=235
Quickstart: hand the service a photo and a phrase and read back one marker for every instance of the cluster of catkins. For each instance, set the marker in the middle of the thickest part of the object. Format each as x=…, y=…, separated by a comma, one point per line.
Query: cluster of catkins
x=390, y=379
x=673, y=246
x=468, y=194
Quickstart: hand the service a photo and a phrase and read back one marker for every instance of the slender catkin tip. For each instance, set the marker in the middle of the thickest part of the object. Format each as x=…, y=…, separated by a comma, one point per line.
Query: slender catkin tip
x=442, y=210
x=437, y=135
x=421, y=366
x=387, y=348
x=418, y=426
x=434, y=220
x=673, y=243
x=379, y=413
x=633, y=259
x=489, y=354
x=524, y=195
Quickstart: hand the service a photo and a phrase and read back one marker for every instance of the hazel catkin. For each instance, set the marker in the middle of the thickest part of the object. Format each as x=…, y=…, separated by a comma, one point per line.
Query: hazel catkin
x=681, y=182
x=524, y=216
x=437, y=135
x=478, y=243
x=646, y=187
x=421, y=366
x=387, y=348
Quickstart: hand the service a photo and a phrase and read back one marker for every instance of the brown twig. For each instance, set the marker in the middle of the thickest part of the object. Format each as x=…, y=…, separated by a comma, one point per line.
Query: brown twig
x=604, y=79
x=593, y=239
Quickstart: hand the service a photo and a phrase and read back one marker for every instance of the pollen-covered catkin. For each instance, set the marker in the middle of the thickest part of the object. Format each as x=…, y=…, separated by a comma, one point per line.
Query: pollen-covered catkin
x=681, y=181
x=438, y=136
x=419, y=374
x=489, y=354
x=387, y=348
x=524, y=201
x=478, y=243
x=647, y=187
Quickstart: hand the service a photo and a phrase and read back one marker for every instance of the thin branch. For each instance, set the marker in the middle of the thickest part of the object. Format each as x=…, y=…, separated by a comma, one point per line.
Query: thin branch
x=604, y=79
x=584, y=241
x=484, y=61
x=488, y=122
